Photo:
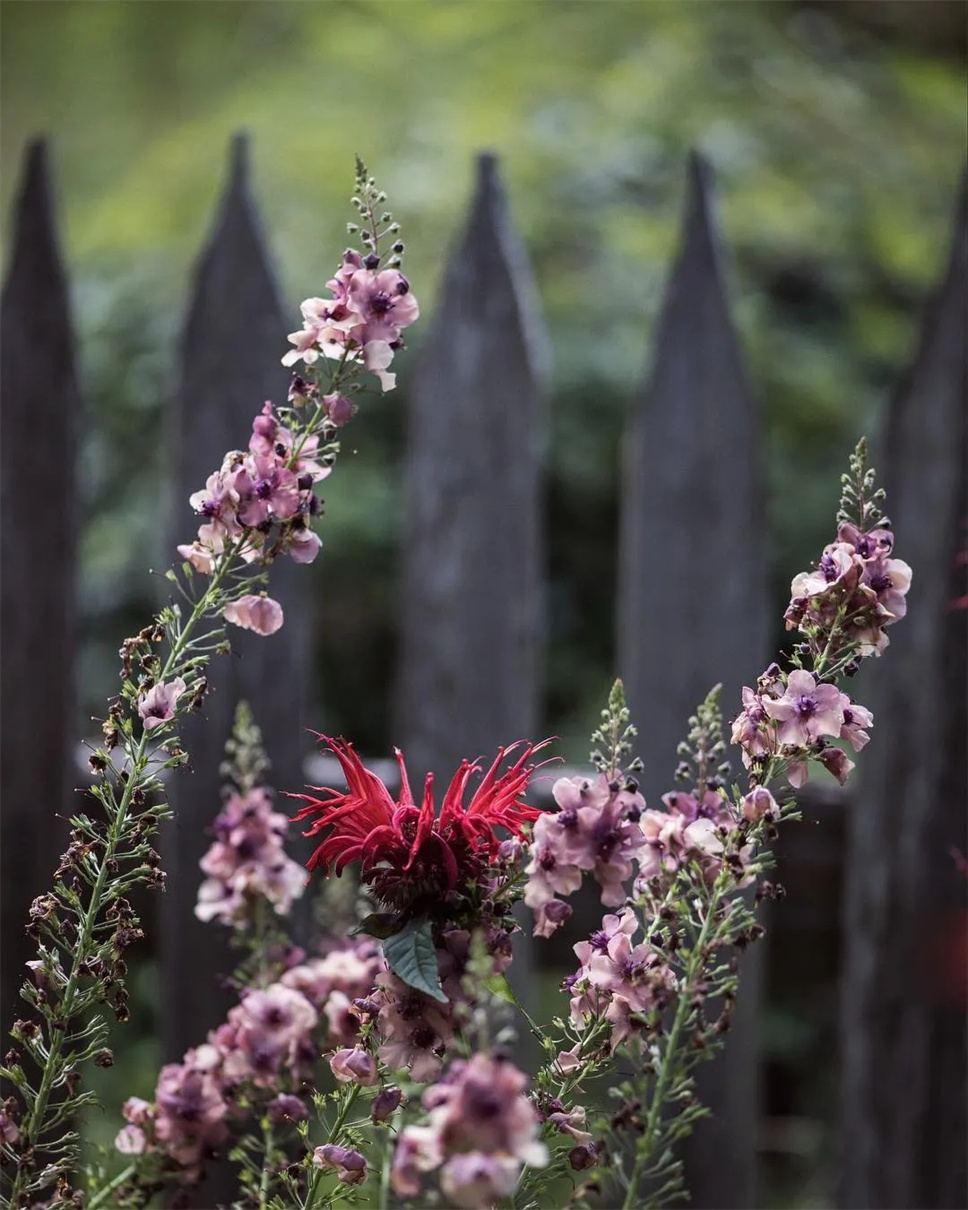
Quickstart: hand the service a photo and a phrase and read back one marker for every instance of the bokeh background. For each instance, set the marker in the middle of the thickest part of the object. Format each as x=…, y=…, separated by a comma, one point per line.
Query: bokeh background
x=837, y=135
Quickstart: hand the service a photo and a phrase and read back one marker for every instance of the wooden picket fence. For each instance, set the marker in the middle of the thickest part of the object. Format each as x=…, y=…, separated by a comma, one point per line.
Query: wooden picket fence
x=692, y=610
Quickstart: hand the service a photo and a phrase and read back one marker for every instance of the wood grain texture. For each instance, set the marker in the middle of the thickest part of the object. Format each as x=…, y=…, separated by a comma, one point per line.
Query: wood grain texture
x=903, y=1026
x=40, y=409
x=232, y=342
x=692, y=601
x=472, y=564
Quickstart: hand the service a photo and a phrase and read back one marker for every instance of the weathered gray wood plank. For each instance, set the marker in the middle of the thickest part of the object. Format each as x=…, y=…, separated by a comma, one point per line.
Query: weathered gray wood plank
x=472, y=570
x=692, y=598
x=903, y=1037
x=233, y=339
x=40, y=409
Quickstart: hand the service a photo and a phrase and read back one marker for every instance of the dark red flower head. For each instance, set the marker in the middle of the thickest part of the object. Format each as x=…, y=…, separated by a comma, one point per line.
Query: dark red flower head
x=409, y=854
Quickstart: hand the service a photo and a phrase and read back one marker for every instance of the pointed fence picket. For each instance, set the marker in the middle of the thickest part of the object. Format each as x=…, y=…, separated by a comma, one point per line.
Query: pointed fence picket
x=903, y=1039
x=692, y=601
x=230, y=363
x=39, y=422
x=471, y=586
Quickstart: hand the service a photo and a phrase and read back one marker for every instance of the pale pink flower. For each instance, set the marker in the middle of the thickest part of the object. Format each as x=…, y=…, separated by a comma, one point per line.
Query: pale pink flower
x=157, y=706
x=474, y=1179
x=838, y=567
x=190, y=1113
x=259, y=613
x=201, y=557
x=890, y=580
x=568, y=1061
x=418, y=1150
x=807, y=710
x=626, y=922
x=218, y=503
x=130, y=1140
x=303, y=545
x=305, y=342
x=377, y=355
x=856, y=719
x=248, y=862
x=264, y=486
x=752, y=728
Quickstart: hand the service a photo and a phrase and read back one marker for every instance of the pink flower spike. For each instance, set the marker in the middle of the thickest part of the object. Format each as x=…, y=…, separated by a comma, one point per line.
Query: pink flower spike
x=157, y=706
x=261, y=614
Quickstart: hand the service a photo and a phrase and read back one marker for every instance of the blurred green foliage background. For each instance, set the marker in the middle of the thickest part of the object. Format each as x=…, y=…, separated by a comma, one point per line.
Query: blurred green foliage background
x=837, y=131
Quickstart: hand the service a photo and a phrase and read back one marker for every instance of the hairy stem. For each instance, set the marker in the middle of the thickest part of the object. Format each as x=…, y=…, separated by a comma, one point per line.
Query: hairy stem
x=139, y=759
x=670, y=1052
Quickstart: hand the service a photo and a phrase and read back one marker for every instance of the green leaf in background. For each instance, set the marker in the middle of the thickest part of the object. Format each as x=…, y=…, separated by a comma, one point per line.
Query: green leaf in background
x=499, y=987
x=410, y=954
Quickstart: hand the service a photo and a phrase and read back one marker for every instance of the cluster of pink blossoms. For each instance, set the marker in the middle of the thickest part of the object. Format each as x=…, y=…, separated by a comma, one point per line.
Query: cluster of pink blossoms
x=247, y=862
x=364, y=319
x=268, y=1046
x=480, y=1130
x=596, y=828
x=856, y=590
x=855, y=584
x=616, y=980
x=795, y=718
x=264, y=492
x=603, y=826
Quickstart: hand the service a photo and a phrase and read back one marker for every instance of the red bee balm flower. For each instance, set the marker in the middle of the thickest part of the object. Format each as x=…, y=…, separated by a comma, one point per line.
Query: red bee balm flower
x=409, y=854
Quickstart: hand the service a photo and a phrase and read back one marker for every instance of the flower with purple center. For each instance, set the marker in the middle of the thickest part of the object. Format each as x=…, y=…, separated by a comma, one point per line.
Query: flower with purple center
x=157, y=706
x=807, y=710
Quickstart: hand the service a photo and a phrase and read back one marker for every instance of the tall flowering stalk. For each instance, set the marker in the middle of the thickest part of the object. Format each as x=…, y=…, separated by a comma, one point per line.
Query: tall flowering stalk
x=665, y=1000
x=258, y=506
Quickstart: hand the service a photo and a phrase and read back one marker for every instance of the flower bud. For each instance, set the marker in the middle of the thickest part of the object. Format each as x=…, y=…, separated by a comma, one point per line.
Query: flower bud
x=385, y=1104
x=339, y=409
x=287, y=1108
x=760, y=804
x=354, y=1066
x=350, y=1165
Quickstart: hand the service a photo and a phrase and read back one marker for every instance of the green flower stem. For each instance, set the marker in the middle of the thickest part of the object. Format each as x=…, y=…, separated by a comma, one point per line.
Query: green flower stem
x=67, y=1008
x=334, y=1134
x=670, y=1051
x=267, y=1142
x=98, y=1198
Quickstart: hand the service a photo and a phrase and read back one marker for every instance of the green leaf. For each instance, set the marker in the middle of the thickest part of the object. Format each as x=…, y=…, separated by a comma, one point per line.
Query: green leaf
x=411, y=956
x=499, y=987
x=378, y=924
